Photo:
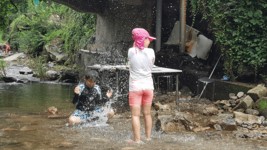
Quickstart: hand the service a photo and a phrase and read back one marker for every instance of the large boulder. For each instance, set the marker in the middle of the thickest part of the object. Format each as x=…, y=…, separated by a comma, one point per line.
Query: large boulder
x=258, y=92
x=55, y=51
x=245, y=103
x=52, y=75
x=224, y=121
x=242, y=118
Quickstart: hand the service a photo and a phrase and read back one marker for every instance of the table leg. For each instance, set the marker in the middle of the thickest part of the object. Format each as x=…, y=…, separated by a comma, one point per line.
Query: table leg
x=177, y=88
x=117, y=81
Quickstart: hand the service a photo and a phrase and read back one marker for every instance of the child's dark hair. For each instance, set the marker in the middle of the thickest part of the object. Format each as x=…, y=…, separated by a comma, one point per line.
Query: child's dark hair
x=92, y=74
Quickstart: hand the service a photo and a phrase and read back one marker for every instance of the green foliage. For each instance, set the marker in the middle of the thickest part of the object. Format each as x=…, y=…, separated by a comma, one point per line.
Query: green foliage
x=27, y=30
x=240, y=31
x=8, y=8
x=40, y=25
x=5, y=6
x=262, y=105
x=37, y=64
x=75, y=31
x=1, y=35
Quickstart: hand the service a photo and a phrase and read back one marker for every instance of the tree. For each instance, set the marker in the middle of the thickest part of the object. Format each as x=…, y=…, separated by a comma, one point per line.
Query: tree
x=9, y=10
x=240, y=31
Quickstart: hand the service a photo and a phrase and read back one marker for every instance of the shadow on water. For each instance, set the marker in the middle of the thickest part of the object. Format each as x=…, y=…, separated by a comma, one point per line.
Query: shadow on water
x=25, y=125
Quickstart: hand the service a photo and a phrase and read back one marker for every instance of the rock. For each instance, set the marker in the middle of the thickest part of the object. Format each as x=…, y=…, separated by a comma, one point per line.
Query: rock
x=186, y=119
x=252, y=112
x=232, y=103
x=166, y=123
x=232, y=96
x=17, y=72
x=52, y=110
x=54, y=49
x=52, y=75
x=25, y=70
x=217, y=127
x=229, y=124
x=240, y=94
x=23, y=80
x=160, y=107
x=180, y=122
x=170, y=127
x=225, y=102
x=50, y=64
x=249, y=134
x=9, y=79
x=198, y=129
x=258, y=92
x=210, y=110
x=242, y=118
x=14, y=57
x=246, y=102
x=226, y=121
x=226, y=107
x=240, y=110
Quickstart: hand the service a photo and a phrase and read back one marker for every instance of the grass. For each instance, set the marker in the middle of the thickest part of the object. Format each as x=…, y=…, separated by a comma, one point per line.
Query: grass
x=262, y=104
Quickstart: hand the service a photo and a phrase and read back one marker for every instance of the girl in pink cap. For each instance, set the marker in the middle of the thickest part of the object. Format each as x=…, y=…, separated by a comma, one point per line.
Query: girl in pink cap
x=141, y=60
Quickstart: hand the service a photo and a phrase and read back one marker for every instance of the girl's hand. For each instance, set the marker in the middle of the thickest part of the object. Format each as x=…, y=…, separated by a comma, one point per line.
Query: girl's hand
x=77, y=90
x=109, y=93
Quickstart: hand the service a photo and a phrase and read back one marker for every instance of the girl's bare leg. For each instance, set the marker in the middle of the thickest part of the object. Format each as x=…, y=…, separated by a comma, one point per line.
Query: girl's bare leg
x=147, y=120
x=135, y=110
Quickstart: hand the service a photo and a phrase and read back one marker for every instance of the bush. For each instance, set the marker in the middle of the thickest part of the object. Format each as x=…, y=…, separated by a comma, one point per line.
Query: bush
x=240, y=31
x=39, y=25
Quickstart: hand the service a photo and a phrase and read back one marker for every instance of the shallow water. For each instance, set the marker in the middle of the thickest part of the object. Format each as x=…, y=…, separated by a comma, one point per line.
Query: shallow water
x=25, y=125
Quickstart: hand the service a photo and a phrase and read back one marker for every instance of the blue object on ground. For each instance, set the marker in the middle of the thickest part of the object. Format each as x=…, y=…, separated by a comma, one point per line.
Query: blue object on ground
x=225, y=78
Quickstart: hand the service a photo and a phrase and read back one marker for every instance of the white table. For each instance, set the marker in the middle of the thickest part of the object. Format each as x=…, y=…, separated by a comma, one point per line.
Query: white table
x=155, y=70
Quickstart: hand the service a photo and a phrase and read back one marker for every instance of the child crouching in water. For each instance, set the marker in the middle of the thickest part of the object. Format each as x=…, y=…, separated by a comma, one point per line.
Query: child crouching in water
x=89, y=100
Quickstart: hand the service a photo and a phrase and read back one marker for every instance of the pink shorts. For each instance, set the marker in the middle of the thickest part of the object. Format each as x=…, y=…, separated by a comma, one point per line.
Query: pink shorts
x=138, y=98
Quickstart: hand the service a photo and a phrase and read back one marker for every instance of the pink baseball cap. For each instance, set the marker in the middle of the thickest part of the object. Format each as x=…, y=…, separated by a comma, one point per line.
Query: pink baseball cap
x=139, y=35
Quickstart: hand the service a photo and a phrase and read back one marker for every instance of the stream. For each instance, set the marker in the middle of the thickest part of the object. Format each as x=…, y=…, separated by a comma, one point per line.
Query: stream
x=25, y=125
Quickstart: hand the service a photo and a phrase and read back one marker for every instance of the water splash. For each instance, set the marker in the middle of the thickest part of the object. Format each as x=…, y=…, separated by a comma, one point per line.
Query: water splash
x=102, y=116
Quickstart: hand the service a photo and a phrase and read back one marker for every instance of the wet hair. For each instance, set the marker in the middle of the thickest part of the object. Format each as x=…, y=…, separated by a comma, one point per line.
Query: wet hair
x=92, y=74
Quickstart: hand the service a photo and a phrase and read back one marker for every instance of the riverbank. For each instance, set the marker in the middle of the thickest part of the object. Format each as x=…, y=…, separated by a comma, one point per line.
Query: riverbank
x=18, y=67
